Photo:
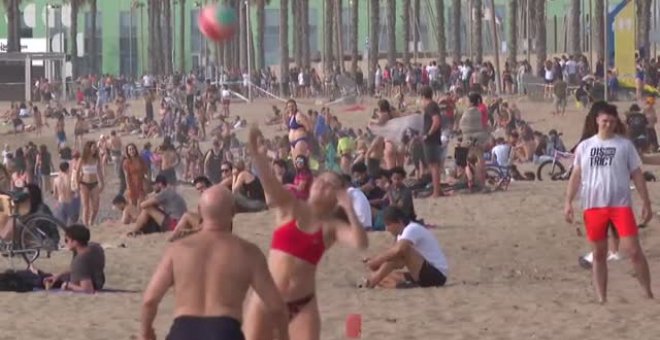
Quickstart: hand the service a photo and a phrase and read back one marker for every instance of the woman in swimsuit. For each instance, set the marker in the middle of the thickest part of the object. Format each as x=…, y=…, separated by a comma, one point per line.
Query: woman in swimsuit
x=78, y=132
x=90, y=179
x=307, y=230
x=135, y=172
x=298, y=124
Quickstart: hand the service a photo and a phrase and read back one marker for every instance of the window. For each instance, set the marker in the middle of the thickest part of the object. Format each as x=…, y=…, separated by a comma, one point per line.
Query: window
x=314, y=33
x=26, y=31
x=89, y=35
x=195, y=35
x=272, y=36
x=128, y=43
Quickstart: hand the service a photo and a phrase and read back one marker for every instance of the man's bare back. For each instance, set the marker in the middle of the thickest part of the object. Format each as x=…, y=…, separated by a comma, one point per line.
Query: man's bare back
x=211, y=272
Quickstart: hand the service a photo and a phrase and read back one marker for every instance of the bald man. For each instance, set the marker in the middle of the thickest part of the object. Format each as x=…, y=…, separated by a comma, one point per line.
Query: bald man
x=211, y=272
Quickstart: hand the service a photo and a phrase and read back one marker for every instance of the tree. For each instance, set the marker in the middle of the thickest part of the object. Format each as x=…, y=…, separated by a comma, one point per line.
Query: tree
x=284, y=48
x=355, y=12
x=261, y=29
x=456, y=29
x=644, y=23
x=405, y=17
x=440, y=31
x=297, y=37
x=512, y=39
x=541, y=49
x=599, y=39
x=168, y=48
x=73, y=41
x=182, y=36
x=12, y=7
x=477, y=30
x=574, y=17
x=374, y=33
x=339, y=35
x=415, y=26
x=391, y=32
x=242, y=37
x=93, y=41
x=327, y=38
x=304, y=29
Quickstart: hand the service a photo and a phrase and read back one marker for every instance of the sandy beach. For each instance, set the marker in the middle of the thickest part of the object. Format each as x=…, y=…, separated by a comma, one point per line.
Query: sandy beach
x=513, y=265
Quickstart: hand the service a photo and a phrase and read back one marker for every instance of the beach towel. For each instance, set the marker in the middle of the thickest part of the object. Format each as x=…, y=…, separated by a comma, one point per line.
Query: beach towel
x=396, y=128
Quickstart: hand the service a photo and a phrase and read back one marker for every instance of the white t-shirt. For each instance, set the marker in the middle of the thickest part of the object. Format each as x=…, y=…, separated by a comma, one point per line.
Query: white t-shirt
x=571, y=67
x=361, y=206
x=606, y=167
x=433, y=72
x=425, y=243
x=502, y=154
x=225, y=94
x=549, y=75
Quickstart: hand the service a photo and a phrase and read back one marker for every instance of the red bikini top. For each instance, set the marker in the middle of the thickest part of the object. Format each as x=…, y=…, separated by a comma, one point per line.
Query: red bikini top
x=297, y=243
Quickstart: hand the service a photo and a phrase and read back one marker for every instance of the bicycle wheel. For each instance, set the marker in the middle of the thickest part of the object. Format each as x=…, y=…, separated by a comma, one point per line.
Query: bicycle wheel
x=550, y=169
x=39, y=232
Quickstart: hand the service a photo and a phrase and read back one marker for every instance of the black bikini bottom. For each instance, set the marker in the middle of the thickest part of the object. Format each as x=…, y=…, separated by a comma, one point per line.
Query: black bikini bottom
x=297, y=305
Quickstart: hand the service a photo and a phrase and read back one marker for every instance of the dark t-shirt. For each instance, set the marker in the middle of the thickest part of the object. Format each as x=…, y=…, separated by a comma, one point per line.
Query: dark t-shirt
x=89, y=266
x=432, y=109
x=637, y=125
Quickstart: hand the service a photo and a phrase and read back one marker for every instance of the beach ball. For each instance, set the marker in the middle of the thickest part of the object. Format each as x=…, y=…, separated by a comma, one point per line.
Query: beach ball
x=217, y=22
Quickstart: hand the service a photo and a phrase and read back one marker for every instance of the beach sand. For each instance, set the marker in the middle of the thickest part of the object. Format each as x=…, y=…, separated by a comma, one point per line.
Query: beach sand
x=513, y=268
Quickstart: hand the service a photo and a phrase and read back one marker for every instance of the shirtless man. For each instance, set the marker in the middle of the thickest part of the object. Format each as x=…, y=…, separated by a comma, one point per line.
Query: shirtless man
x=65, y=210
x=169, y=162
x=210, y=306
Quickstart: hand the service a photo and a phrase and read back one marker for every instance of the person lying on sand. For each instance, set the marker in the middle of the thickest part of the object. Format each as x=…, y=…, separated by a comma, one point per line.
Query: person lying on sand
x=207, y=305
x=416, y=249
x=190, y=221
x=161, y=211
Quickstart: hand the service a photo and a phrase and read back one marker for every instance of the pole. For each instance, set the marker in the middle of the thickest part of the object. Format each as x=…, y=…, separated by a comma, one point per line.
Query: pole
x=655, y=27
x=605, y=43
x=142, y=52
x=493, y=16
x=248, y=37
x=591, y=35
x=469, y=24
x=130, y=43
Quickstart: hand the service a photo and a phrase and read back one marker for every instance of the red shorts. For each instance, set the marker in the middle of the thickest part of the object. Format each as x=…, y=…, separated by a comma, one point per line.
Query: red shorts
x=597, y=221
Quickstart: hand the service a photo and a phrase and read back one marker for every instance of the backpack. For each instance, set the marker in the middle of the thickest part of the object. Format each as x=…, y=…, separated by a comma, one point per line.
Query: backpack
x=19, y=281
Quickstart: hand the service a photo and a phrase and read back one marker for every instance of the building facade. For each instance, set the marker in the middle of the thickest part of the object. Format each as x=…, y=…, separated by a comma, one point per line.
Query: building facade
x=122, y=31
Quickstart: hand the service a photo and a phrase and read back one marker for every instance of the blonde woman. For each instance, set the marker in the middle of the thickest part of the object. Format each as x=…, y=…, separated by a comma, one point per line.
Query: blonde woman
x=90, y=180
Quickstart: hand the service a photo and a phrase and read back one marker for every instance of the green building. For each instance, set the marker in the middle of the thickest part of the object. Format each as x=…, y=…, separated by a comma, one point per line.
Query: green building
x=123, y=38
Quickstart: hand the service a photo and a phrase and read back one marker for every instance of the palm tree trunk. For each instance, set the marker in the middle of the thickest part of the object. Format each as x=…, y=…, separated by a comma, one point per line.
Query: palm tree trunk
x=327, y=39
x=456, y=30
x=405, y=17
x=11, y=25
x=541, y=48
x=599, y=37
x=339, y=36
x=416, y=32
x=477, y=31
x=159, y=50
x=512, y=39
x=75, y=8
x=242, y=37
x=645, y=27
x=93, y=41
x=297, y=32
x=261, y=28
x=304, y=14
x=391, y=32
x=574, y=16
x=284, y=48
x=167, y=17
x=151, y=18
x=182, y=36
x=355, y=12
x=374, y=33
x=440, y=31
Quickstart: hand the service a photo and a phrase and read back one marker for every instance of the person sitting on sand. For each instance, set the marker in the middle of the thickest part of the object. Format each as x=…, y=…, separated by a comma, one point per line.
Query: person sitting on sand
x=86, y=273
x=248, y=192
x=208, y=305
x=302, y=182
x=129, y=212
x=190, y=221
x=161, y=211
x=416, y=248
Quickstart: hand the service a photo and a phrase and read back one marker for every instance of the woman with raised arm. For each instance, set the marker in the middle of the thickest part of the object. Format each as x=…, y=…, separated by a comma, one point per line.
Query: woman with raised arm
x=306, y=229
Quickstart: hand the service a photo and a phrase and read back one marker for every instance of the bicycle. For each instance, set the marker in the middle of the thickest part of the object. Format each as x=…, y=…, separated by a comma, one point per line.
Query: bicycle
x=32, y=234
x=557, y=170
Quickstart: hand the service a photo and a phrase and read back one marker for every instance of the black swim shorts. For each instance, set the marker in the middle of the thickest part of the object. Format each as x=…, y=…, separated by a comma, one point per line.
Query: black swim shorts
x=205, y=328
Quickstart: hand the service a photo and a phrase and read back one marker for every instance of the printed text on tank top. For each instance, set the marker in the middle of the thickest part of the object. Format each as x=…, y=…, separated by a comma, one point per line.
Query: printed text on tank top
x=297, y=243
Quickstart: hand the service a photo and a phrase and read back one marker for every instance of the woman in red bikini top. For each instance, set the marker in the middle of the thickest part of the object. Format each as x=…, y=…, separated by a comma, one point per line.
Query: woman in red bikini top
x=305, y=231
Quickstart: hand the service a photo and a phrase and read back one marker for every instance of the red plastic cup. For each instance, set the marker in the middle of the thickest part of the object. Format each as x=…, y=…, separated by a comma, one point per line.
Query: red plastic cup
x=354, y=326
